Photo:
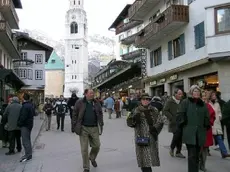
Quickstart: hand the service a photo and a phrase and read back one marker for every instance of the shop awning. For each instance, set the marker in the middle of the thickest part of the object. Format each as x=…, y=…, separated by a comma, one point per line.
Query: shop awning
x=219, y=56
x=9, y=77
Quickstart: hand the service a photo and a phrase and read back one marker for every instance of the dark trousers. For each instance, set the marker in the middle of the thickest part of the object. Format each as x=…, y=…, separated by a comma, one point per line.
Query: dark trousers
x=71, y=113
x=146, y=169
x=228, y=135
x=26, y=141
x=193, y=158
x=60, y=117
x=118, y=114
x=5, y=138
x=177, y=141
x=15, y=136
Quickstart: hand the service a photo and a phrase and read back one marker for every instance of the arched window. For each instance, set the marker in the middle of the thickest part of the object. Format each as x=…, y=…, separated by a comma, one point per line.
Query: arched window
x=73, y=27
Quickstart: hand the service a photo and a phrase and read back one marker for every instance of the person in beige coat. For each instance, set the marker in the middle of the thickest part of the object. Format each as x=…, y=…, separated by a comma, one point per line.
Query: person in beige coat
x=217, y=129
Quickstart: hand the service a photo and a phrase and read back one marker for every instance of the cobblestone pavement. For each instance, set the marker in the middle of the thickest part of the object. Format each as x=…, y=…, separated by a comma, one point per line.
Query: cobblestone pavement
x=57, y=151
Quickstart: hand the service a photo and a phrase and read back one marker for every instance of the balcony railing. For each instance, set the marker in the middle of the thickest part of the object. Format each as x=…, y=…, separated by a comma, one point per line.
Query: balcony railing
x=127, y=26
x=131, y=55
x=141, y=8
x=23, y=63
x=130, y=39
x=4, y=27
x=8, y=9
x=171, y=19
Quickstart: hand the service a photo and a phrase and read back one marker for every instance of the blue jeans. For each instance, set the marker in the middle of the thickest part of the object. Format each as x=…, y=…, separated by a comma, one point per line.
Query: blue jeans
x=221, y=144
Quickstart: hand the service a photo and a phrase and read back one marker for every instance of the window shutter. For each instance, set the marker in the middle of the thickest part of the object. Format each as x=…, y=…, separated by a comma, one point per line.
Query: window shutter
x=202, y=34
x=197, y=36
x=160, y=56
x=182, y=44
x=151, y=59
x=170, y=55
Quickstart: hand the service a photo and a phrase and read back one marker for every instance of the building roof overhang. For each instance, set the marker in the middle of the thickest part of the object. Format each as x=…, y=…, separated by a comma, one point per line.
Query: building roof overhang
x=17, y=4
x=120, y=17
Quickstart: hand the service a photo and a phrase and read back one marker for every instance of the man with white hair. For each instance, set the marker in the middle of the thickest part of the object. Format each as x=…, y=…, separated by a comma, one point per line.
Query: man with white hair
x=11, y=114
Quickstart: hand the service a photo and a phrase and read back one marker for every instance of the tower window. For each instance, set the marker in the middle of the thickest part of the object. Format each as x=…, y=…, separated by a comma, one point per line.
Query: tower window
x=74, y=2
x=79, y=2
x=73, y=27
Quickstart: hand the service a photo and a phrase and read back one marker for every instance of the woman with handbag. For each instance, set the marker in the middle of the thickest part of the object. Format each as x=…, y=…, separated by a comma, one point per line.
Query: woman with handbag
x=147, y=123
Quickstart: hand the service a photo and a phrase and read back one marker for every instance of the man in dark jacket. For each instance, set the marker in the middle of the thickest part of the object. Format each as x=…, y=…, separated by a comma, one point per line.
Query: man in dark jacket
x=26, y=122
x=11, y=114
x=71, y=104
x=60, y=109
x=170, y=111
x=87, y=122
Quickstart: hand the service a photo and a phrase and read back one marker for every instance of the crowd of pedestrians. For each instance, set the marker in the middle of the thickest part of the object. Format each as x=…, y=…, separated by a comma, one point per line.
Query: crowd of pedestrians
x=197, y=120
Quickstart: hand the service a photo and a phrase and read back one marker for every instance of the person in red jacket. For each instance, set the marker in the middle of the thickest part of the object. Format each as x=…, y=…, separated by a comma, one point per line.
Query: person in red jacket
x=209, y=136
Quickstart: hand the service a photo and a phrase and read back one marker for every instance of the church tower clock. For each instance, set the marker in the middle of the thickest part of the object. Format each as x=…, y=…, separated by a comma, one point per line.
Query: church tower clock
x=76, y=49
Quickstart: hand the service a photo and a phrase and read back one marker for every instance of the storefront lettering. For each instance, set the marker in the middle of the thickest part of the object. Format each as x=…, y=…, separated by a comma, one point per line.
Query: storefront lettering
x=162, y=80
x=153, y=83
x=173, y=77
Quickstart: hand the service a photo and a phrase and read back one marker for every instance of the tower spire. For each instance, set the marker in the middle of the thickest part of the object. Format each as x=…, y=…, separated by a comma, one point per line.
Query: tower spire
x=76, y=4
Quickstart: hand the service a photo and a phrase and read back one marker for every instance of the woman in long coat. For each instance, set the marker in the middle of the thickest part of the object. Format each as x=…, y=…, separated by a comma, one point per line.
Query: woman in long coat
x=209, y=137
x=147, y=123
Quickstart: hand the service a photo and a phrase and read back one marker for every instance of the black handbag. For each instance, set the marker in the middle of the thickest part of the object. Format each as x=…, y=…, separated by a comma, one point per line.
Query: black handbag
x=142, y=141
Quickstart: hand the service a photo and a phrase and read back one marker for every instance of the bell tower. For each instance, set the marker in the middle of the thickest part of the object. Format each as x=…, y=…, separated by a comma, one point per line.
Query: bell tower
x=76, y=49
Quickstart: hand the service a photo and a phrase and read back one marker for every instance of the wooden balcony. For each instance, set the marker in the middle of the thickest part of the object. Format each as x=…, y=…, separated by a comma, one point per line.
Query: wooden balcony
x=141, y=8
x=173, y=18
x=130, y=39
x=8, y=40
x=132, y=55
x=127, y=26
x=8, y=10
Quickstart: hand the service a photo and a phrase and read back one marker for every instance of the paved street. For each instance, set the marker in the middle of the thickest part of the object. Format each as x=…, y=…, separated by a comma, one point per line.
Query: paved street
x=57, y=151
x=10, y=163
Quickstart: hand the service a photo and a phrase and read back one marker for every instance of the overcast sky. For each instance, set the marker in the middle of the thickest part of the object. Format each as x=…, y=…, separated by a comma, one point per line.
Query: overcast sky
x=48, y=16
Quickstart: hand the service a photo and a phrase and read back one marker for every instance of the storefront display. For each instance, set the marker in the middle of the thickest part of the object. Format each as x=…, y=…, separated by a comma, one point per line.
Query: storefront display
x=207, y=82
x=157, y=91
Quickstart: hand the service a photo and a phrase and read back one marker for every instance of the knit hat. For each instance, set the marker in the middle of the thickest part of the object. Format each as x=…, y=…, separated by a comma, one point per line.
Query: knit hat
x=193, y=87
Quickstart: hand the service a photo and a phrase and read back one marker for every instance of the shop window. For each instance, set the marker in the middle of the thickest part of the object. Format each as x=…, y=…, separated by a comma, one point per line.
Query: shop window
x=199, y=35
x=176, y=47
x=222, y=19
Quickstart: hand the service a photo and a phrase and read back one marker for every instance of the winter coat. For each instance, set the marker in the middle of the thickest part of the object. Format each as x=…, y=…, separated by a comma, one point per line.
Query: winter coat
x=48, y=109
x=170, y=111
x=193, y=118
x=79, y=112
x=12, y=113
x=209, y=135
x=117, y=107
x=217, y=129
x=109, y=103
x=26, y=118
x=147, y=156
x=226, y=114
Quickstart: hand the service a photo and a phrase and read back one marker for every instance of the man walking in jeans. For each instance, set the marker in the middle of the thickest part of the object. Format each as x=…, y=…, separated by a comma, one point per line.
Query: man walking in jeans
x=25, y=122
x=170, y=111
x=87, y=122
